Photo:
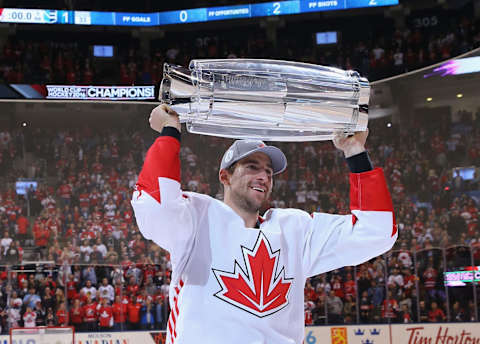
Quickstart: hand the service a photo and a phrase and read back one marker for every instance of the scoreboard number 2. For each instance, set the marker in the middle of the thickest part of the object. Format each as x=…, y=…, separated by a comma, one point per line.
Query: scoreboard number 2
x=276, y=8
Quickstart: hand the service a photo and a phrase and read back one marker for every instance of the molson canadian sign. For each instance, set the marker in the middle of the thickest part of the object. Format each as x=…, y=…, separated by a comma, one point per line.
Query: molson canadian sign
x=137, y=337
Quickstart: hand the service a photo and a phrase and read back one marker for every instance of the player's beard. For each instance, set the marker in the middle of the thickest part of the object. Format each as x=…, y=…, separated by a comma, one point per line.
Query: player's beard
x=248, y=204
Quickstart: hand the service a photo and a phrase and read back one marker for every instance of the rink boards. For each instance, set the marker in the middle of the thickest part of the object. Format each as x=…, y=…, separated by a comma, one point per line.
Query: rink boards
x=440, y=333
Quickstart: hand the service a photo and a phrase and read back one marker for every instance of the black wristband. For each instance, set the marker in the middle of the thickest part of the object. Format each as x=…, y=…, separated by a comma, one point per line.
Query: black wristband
x=171, y=131
x=360, y=163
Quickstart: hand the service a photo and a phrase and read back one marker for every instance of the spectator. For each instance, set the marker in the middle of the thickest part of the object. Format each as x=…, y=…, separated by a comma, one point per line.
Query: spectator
x=458, y=313
x=335, y=308
x=89, y=290
x=17, y=301
x=147, y=315
x=105, y=315
x=41, y=313
x=365, y=308
x=90, y=315
x=349, y=309
x=120, y=311
x=405, y=316
x=12, y=253
x=430, y=277
x=5, y=243
x=436, y=314
x=376, y=294
x=50, y=318
x=62, y=315
x=89, y=274
x=71, y=287
x=319, y=311
x=47, y=299
x=395, y=280
x=424, y=314
x=31, y=298
x=390, y=308
x=349, y=286
x=106, y=290
x=29, y=318
x=100, y=248
x=13, y=315
x=133, y=311
x=86, y=250
x=77, y=315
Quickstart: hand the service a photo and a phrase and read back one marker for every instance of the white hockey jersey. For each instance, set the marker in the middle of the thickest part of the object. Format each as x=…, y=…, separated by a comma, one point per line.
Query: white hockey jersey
x=232, y=284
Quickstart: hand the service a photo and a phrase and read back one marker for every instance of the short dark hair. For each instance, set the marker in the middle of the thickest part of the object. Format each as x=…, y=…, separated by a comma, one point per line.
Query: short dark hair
x=231, y=168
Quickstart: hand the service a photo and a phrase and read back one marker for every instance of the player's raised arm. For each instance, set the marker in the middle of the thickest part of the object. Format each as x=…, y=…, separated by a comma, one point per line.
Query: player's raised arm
x=163, y=213
x=334, y=241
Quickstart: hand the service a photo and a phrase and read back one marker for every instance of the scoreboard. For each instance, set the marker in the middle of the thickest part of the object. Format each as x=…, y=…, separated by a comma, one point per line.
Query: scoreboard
x=30, y=16
x=195, y=15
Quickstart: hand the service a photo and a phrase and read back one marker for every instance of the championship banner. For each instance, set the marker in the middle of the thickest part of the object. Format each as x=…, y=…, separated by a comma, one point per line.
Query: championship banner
x=74, y=92
x=100, y=92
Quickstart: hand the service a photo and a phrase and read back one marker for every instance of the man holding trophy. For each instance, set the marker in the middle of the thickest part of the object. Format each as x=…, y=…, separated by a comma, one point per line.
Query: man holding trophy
x=238, y=277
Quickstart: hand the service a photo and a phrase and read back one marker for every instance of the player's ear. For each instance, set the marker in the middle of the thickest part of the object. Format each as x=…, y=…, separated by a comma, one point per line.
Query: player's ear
x=224, y=177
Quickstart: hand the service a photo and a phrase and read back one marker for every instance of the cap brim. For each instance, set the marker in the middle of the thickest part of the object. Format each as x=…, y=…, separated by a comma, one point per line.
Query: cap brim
x=279, y=160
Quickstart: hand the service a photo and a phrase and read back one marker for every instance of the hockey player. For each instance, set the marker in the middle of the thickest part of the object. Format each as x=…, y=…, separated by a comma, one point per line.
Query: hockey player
x=238, y=277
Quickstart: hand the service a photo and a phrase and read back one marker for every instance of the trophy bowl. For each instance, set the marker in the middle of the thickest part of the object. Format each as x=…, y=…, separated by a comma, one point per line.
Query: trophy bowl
x=268, y=100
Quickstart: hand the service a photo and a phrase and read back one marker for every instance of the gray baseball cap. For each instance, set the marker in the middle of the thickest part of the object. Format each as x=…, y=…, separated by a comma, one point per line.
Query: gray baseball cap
x=243, y=148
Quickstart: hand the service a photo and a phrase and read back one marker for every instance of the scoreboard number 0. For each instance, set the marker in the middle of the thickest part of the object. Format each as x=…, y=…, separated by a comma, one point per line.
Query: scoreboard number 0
x=183, y=16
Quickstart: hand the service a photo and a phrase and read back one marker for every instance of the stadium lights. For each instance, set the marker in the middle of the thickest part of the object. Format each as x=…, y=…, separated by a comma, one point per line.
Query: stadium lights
x=460, y=95
x=429, y=99
x=389, y=125
x=24, y=124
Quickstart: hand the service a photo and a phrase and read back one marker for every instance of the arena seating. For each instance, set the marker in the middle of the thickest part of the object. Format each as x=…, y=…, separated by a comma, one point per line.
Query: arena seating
x=36, y=61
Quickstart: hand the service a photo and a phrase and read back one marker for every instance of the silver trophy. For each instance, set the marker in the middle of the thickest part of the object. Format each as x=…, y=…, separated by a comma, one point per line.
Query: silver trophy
x=266, y=99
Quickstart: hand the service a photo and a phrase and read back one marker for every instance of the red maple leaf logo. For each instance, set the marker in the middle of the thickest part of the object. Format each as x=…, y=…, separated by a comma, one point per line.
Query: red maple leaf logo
x=257, y=290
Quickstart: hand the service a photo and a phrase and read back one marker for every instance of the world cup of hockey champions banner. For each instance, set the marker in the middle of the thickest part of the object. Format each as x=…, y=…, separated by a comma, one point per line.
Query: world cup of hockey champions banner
x=100, y=92
x=78, y=93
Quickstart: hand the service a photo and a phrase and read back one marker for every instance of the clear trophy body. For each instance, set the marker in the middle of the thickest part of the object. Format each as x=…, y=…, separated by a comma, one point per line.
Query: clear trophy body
x=266, y=99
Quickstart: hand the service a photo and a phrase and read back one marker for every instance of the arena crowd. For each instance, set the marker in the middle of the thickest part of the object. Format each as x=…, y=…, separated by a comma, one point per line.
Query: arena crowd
x=100, y=273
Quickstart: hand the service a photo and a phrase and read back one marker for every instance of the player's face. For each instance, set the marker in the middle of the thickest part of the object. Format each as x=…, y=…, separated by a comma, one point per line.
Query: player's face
x=251, y=182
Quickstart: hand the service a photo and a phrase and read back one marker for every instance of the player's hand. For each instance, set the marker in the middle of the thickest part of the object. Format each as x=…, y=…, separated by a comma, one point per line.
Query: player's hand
x=162, y=116
x=351, y=145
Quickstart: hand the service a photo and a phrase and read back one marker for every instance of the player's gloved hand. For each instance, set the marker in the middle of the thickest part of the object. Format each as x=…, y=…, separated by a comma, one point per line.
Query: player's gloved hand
x=162, y=116
x=351, y=145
